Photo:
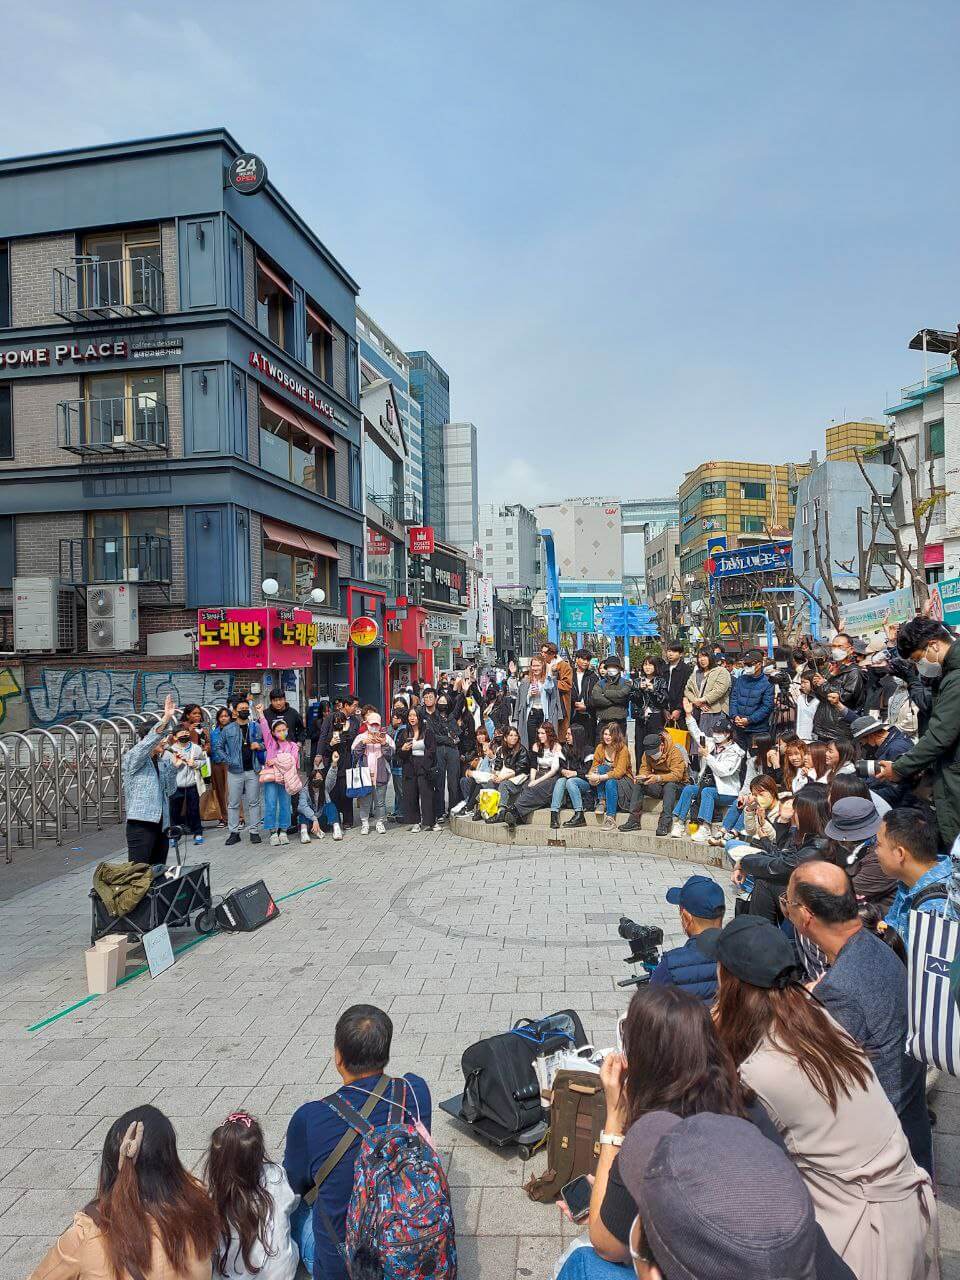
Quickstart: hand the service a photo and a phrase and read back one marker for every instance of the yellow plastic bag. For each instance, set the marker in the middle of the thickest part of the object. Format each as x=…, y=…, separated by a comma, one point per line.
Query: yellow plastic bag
x=681, y=737
x=488, y=802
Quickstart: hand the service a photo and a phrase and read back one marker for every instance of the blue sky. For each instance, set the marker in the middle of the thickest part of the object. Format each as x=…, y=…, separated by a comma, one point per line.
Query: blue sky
x=637, y=236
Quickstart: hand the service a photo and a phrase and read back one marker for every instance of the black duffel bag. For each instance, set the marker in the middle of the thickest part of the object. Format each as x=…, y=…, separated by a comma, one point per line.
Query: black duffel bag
x=500, y=1084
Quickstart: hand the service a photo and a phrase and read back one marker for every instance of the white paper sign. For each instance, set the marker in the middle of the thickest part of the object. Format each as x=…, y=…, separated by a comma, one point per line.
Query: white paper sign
x=159, y=950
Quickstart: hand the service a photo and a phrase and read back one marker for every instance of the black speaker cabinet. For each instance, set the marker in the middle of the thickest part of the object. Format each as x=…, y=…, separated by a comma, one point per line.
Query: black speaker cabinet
x=246, y=909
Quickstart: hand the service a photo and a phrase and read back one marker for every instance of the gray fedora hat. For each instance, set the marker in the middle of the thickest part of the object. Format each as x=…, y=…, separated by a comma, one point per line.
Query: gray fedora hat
x=852, y=820
x=867, y=724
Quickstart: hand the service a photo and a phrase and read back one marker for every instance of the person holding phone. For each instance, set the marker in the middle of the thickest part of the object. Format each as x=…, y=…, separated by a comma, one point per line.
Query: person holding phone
x=378, y=747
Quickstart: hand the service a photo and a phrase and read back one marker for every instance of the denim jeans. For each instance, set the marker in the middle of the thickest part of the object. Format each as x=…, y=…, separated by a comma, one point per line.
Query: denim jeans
x=583, y=1263
x=276, y=806
x=733, y=819
x=708, y=799
x=374, y=805
x=306, y=814
x=397, y=791
x=574, y=789
x=608, y=791
x=301, y=1230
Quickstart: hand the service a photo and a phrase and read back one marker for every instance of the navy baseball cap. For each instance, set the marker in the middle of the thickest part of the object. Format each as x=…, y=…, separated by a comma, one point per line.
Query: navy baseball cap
x=700, y=895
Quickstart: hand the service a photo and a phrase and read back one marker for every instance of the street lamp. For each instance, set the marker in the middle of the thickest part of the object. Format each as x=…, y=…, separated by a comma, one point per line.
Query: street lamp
x=271, y=587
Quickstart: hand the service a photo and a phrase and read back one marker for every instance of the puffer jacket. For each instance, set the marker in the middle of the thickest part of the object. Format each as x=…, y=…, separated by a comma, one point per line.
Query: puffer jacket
x=688, y=967
x=283, y=761
x=609, y=699
x=752, y=698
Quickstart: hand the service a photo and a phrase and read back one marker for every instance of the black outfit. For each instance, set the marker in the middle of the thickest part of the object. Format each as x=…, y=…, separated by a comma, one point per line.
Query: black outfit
x=583, y=683
x=499, y=712
x=771, y=867
x=446, y=771
x=146, y=842
x=649, y=699
x=294, y=721
x=536, y=794
x=676, y=684
x=519, y=761
x=829, y=723
x=417, y=777
x=185, y=810
x=348, y=730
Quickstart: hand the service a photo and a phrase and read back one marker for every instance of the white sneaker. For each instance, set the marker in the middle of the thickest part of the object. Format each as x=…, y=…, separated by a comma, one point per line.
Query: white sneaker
x=437, y=826
x=364, y=827
x=337, y=831
x=275, y=837
x=381, y=828
x=702, y=833
x=318, y=835
x=304, y=835
x=284, y=838
x=458, y=808
x=415, y=828
x=676, y=831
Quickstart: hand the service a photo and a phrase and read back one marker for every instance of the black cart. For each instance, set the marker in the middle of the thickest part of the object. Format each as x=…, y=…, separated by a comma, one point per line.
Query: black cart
x=169, y=901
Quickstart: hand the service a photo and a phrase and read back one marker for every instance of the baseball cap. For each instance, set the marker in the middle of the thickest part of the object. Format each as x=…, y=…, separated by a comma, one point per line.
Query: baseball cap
x=699, y=895
x=652, y=743
x=753, y=950
x=690, y=1180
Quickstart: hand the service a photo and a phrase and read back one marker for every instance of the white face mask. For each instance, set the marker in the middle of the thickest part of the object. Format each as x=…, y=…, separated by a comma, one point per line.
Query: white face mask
x=721, y=739
x=929, y=669
x=838, y=655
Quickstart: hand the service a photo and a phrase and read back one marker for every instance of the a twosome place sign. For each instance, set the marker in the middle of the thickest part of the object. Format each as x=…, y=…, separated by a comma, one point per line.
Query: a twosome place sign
x=91, y=352
x=306, y=393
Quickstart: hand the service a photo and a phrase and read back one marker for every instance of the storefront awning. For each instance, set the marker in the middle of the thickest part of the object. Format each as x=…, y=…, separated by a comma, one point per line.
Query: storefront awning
x=273, y=275
x=297, y=420
x=299, y=541
x=318, y=320
x=406, y=658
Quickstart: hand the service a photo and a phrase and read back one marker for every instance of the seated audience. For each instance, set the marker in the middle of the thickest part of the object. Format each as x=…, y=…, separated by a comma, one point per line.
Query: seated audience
x=611, y=774
x=150, y=1218
x=316, y=1132
x=721, y=760
x=546, y=759
x=661, y=772
x=572, y=783
x=852, y=832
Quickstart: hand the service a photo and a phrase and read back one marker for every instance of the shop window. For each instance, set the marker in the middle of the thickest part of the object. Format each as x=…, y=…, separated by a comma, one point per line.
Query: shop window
x=935, y=439
x=751, y=524
x=753, y=491
x=287, y=451
x=274, y=303
x=122, y=267
x=319, y=353
x=6, y=421
x=4, y=286
x=298, y=575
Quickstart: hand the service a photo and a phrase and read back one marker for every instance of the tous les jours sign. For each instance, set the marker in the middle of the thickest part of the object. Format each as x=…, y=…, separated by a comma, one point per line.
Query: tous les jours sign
x=75, y=352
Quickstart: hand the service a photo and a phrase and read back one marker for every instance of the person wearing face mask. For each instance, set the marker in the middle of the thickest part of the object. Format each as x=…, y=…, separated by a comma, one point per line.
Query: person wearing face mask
x=751, y=701
x=843, y=691
x=446, y=735
x=188, y=758
x=610, y=696
x=721, y=759
x=239, y=746
x=938, y=749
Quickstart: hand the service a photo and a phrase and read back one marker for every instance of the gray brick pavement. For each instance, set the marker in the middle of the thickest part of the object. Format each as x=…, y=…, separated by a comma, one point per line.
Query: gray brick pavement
x=454, y=938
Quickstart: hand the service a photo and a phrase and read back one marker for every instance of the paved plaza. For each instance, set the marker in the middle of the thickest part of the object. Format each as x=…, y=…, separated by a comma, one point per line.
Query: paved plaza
x=455, y=939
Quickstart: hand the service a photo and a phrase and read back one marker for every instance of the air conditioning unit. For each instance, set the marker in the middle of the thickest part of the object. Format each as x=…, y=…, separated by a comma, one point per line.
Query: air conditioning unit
x=112, y=618
x=44, y=615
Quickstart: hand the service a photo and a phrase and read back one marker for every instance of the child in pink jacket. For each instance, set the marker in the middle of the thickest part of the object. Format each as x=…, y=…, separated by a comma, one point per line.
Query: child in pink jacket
x=279, y=780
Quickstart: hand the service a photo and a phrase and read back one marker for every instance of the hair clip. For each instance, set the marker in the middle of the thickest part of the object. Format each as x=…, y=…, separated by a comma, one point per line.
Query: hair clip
x=240, y=1117
x=131, y=1143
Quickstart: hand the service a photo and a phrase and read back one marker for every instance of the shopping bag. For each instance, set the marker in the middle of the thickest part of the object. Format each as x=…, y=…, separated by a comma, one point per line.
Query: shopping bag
x=488, y=802
x=681, y=737
x=210, y=806
x=358, y=777
x=933, y=1020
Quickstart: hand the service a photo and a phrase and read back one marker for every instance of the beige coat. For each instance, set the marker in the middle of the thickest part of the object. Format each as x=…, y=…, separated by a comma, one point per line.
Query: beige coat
x=80, y=1254
x=874, y=1204
x=716, y=690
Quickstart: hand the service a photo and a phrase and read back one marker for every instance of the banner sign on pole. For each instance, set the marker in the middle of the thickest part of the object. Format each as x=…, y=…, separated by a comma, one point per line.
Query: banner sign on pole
x=946, y=601
x=866, y=617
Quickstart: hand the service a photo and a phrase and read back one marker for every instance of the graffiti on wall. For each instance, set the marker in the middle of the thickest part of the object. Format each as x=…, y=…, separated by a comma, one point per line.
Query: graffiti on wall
x=77, y=693
x=13, y=709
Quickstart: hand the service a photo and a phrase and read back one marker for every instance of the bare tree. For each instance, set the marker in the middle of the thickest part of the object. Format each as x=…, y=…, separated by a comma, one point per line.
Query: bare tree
x=824, y=562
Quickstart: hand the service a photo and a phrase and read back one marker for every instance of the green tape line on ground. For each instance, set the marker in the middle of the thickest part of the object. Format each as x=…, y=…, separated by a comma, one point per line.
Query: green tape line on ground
x=186, y=946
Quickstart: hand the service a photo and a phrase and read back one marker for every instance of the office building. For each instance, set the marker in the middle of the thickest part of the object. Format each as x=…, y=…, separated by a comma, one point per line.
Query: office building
x=734, y=504
x=381, y=357
x=662, y=564
x=588, y=540
x=640, y=520
x=508, y=545
x=430, y=387
x=461, y=502
x=179, y=406
x=846, y=439
x=386, y=502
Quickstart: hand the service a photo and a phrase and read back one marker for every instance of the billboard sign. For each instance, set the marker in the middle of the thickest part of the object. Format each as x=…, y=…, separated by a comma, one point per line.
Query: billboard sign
x=766, y=557
x=254, y=639
x=421, y=540
x=870, y=616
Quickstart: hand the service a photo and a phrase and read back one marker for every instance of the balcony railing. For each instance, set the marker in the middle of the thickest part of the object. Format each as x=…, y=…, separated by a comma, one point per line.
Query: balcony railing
x=142, y=558
x=112, y=424
x=98, y=289
x=404, y=506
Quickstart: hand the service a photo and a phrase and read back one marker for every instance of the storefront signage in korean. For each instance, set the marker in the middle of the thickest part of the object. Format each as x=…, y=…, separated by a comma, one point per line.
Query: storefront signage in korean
x=332, y=633
x=89, y=352
x=444, y=624
x=870, y=616
x=253, y=639
x=445, y=579
x=945, y=601
x=768, y=557
x=378, y=544
x=485, y=603
x=364, y=631
x=421, y=540
x=286, y=380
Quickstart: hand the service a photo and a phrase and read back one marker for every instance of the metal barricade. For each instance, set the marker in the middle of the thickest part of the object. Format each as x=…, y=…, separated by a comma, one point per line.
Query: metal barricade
x=21, y=789
x=6, y=808
x=47, y=819
x=66, y=746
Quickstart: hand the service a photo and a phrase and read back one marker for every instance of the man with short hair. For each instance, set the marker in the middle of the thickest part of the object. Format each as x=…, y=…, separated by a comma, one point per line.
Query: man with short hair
x=865, y=989
x=446, y=775
x=280, y=709
x=844, y=690
x=240, y=748
x=678, y=673
x=938, y=749
x=661, y=771
x=610, y=696
x=701, y=904
x=582, y=681
x=321, y=1148
x=751, y=701
x=562, y=672
x=907, y=852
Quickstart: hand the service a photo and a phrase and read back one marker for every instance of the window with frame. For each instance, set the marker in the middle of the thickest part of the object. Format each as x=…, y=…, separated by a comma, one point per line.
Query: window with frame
x=753, y=491
x=6, y=421
x=288, y=452
x=274, y=302
x=297, y=575
x=319, y=350
x=751, y=524
x=121, y=407
x=123, y=267
x=934, y=432
x=118, y=541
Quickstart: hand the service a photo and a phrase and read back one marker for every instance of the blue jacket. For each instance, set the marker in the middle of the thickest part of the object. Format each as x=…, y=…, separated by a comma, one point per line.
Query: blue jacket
x=227, y=748
x=689, y=968
x=899, y=914
x=147, y=786
x=752, y=698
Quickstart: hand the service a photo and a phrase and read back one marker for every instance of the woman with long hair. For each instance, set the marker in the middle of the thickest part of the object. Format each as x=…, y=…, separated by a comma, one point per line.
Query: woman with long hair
x=150, y=1218
x=815, y=768
x=477, y=774
x=611, y=775
x=254, y=1202
x=708, y=689
x=218, y=766
x=841, y=757
x=545, y=761
x=648, y=698
x=416, y=749
x=818, y=1087
x=771, y=867
x=572, y=782
x=538, y=701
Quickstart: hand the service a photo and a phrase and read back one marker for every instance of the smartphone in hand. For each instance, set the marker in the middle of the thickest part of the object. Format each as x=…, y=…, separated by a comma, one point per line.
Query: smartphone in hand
x=576, y=1196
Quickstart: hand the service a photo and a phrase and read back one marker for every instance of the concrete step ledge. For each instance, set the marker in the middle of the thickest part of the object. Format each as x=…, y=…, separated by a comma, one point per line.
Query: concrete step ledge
x=591, y=836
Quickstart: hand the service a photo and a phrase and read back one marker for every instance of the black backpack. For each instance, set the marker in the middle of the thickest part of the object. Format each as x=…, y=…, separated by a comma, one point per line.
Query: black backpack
x=500, y=1084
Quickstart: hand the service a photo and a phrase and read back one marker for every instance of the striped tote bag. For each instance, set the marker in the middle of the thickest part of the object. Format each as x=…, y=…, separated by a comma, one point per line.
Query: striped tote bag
x=933, y=1022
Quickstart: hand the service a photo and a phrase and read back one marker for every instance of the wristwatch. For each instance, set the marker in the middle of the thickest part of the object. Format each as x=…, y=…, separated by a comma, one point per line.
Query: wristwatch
x=611, y=1139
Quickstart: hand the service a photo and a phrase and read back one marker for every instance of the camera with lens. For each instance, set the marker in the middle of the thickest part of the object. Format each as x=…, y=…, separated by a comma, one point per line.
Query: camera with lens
x=780, y=678
x=645, y=942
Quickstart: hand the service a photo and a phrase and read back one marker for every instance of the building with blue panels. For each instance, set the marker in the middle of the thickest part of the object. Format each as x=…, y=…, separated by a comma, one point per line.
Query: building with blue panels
x=179, y=398
x=430, y=387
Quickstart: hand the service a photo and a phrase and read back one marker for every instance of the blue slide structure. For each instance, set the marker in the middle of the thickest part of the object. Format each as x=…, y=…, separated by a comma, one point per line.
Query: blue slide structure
x=553, y=587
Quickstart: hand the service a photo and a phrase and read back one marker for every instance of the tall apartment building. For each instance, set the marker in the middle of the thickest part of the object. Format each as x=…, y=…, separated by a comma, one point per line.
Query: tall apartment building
x=385, y=359
x=461, y=499
x=179, y=399
x=508, y=544
x=430, y=387
x=662, y=564
x=736, y=503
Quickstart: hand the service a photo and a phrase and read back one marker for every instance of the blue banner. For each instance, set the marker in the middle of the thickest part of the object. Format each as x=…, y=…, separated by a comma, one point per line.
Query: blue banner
x=767, y=557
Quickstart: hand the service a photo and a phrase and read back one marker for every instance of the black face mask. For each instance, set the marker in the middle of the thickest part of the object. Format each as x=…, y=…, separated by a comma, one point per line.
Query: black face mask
x=243, y=715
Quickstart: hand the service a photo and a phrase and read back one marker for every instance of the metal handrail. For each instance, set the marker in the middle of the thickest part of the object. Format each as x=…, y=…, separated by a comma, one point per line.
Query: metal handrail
x=108, y=288
x=145, y=558
x=112, y=424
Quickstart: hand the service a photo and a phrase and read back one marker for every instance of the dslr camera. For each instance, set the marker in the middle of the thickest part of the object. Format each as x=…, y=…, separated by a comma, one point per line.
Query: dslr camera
x=645, y=943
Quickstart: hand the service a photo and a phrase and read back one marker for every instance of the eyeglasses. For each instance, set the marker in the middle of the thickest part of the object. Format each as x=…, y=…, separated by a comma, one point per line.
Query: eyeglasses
x=787, y=904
